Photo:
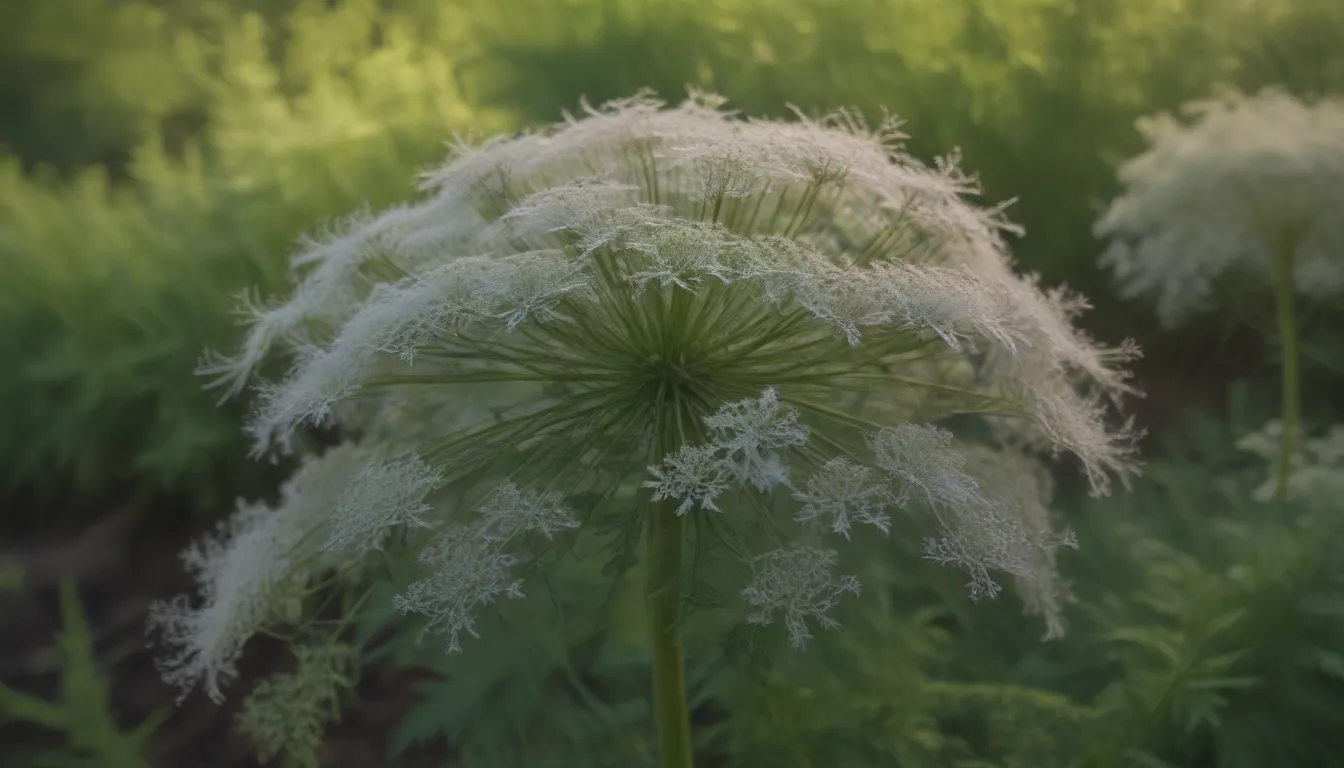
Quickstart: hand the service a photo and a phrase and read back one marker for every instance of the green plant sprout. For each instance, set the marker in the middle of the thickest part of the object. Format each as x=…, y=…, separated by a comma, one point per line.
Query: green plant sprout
x=82, y=713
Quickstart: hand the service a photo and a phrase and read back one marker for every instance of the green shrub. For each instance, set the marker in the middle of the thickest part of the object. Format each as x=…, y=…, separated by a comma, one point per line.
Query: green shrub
x=112, y=291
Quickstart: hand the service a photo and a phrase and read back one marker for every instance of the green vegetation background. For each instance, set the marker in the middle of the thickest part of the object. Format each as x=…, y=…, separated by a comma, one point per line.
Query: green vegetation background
x=158, y=156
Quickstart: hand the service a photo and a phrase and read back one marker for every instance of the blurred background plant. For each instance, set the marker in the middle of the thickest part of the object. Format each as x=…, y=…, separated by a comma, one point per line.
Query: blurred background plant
x=232, y=135
x=160, y=155
x=82, y=711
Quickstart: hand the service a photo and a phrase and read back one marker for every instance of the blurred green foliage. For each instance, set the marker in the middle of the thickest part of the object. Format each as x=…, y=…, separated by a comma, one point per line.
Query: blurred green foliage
x=113, y=288
x=82, y=712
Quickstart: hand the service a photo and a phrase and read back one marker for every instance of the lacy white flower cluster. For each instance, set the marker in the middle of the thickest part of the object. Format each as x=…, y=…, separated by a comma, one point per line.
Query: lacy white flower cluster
x=754, y=298
x=749, y=435
x=462, y=267
x=1245, y=177
x=1316, y=476
x=469, y=566
x=988, y=506
x=796, y=581
x=336, y=507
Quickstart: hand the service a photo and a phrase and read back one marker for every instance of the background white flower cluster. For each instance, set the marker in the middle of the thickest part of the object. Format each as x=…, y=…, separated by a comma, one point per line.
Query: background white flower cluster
x=1239, y=179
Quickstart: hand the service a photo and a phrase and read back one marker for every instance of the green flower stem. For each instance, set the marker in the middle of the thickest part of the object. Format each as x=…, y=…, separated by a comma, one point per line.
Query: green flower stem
x=664, y=602
x=1292, y=396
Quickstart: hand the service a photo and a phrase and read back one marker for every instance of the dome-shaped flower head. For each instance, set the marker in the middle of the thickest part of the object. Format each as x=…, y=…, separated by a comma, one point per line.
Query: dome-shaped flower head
x=1245, y=180
x=736, y=317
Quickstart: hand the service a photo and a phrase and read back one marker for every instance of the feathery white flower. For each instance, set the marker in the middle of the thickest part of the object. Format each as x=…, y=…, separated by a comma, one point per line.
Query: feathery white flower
x=465, y=573
x=751, y=432
x=922, y=459
x=799, y=582
x=1244, y=178
x=680, y=253
x=846, y=493
x=695, y=474
x=583, y=205
x=468, y=565
x=1021, y=539
x=532, y=285
x=243, y=572
x=334, y=264
x=628, y=181
x=1316, y=474
x=989, y=509
x=589, y=307
x=382, y=495
x=509, y=511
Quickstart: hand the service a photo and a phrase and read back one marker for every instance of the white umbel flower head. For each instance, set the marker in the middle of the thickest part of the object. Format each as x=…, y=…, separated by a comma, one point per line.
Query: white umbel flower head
x=469, y=564
x=695, y=474
x=464, y=575
x=751, y=433
x=702, y=306
x=846, y=493
x=800, y=583
x=1244, y=178
x=381, y=496
x=260, y=558
x=1316, y=474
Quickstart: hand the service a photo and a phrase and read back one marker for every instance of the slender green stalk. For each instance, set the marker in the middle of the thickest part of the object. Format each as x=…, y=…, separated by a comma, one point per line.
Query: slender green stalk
x=664, y=602
x=1292, y=396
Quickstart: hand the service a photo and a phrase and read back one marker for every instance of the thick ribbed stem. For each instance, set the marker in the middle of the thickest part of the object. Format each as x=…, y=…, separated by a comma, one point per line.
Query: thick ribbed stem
x=664, y=603
x=1292, y=397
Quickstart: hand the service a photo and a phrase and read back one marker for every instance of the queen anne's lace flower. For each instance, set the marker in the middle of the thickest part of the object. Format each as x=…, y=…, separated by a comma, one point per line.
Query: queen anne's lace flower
x=1245, y=178
x=1316, y=475
x=751, y=433
x=1020, y=539
x=668, y=298
x=695, y=474
x=244, y=571
x=382, y=495
x=464, y=574
x=845, y=493
x=469, y=565
x=799, y=582
x=510, y=510
x=923, y=462
x=627, y=163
